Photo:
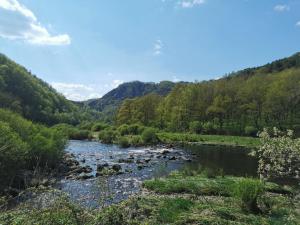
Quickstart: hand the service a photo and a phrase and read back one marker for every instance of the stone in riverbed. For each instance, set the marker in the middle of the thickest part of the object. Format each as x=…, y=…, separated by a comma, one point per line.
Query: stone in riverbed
x=84, y=176
x=102, y=166
x=147, y=160
x=125, y=160
x=164, y=152
x=172, y=158
x=117, y=167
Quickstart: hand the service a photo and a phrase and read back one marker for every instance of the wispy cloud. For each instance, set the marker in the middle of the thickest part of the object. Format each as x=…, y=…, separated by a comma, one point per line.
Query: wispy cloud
x=76, y=92
x=157, y=47
x=17, y=22
x=298, y=24
x=281, y=8
x=81, y=92
x=190, y=3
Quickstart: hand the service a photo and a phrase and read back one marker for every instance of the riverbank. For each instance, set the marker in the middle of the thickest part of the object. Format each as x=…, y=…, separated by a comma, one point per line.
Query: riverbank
x=179, y=199
x=187, y=138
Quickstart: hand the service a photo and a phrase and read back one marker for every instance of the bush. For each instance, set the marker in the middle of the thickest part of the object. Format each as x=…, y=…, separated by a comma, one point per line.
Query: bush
x=99, y=126
x=107, y=136
x=248, y=191
x=123, y=129
x=195, y=127
x=149, y=136
x=278, y=155
x=209, y=128
x=251, y=131
x=76, y=134
x=123, y=142
x=24, y=145
x=136, y=141
x=135, y=129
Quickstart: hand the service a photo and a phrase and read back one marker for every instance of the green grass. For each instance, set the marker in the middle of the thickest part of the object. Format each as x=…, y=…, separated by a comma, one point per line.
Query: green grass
x=208, y=139
x=176, y=199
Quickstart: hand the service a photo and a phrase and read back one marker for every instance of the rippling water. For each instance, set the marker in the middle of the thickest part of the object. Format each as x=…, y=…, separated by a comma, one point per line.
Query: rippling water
x=106, y=190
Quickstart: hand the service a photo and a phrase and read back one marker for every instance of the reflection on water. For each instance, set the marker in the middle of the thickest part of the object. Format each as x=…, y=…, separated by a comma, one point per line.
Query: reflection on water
x=101, y=191
x=230, y=160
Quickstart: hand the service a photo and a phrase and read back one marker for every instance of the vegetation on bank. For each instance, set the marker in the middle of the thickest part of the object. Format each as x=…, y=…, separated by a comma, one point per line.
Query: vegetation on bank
x=26, y=146
x=179, y=199
x=34, y=99
x=139, y=135
x=241, y=103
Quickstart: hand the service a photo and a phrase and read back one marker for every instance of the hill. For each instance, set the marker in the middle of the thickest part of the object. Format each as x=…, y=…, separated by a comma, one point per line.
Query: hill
x=239, y=103
x=110, y=102
x=34, y=99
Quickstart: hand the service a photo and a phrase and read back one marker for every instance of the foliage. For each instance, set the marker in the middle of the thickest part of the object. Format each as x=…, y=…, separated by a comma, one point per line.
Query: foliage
x=99, y=126
x=237, y=104
x=167, y=137
x=111, y=101
x=72, y=132
x=251, y=131
x=123, y=142
x=248, y=191
x=108, y=136
x=24, y=145
x=195, y=127
x=149, y=136
x=279, y=154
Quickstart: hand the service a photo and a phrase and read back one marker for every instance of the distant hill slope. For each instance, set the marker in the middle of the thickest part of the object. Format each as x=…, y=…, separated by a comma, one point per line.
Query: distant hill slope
x=109, y=103
x=241, y=103
x=22, y=92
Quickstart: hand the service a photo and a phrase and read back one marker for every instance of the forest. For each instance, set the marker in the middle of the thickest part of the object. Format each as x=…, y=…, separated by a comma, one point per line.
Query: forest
x=240, y=103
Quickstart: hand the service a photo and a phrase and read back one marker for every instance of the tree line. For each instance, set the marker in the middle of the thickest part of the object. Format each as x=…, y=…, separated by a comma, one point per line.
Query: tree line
x=241, y=103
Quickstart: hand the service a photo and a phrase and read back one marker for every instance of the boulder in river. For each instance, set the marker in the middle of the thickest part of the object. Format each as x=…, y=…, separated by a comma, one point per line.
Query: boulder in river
x=172, y=158
x=117, y=167
x=100, y=167
x=128, y=160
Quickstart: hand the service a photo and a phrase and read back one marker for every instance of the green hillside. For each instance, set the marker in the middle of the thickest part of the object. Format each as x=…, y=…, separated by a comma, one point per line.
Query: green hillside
x=240, y=103
x=24, y=93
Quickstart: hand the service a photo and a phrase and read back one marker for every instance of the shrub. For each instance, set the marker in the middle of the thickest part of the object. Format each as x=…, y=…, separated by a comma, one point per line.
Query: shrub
x=76, y=134
x=123, y=142
x=123, y=129
x=24, y=145
x=99, y=126
x=251, y=131
x=209, y=128
x=279, y=154
x=107, y=136
x=195, y=127
x=248, y=191
x=149, y=136
x=135, y=129
x=85, y=126
x=136, y=141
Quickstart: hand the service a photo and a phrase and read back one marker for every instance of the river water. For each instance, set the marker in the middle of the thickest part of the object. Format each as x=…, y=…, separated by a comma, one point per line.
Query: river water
x=100, y=191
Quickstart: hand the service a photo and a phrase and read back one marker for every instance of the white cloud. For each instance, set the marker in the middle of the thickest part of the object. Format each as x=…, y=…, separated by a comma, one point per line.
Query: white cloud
x=298, y=24
x=81, y=92
x=19, y=23
x=281, y=8
x=76, y=92
x=175, y=79
x=157, y=47
x=190, y=3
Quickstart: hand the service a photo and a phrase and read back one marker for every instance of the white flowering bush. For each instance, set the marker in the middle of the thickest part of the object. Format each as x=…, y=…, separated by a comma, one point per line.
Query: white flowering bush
x=278, y=155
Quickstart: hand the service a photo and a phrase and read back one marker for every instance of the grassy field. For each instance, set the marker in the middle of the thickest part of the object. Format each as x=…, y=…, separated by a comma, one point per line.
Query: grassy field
x=209, y=139
x=178, y=199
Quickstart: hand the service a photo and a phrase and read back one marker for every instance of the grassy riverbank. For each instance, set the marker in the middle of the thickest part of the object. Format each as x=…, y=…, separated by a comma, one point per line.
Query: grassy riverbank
x=179, y=199
x=208, y=139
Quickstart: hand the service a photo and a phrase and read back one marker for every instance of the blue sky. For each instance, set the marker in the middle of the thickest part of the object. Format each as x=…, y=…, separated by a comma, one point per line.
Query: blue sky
x=86, y=48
